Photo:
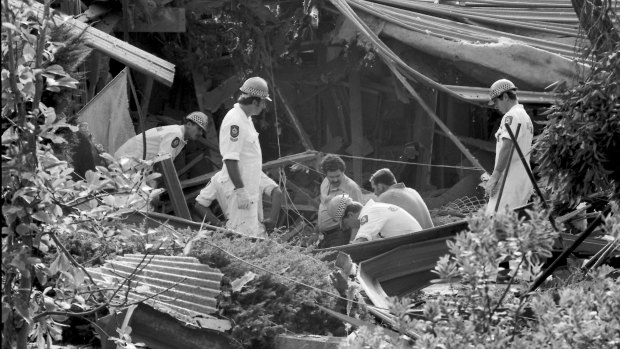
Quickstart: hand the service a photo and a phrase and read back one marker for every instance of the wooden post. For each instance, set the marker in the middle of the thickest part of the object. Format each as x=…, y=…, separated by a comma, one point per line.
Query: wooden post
x=434, y=116
x=146, y=95
x=174, y=190
x=423, y=128
x=123, y=52
x=356, y=120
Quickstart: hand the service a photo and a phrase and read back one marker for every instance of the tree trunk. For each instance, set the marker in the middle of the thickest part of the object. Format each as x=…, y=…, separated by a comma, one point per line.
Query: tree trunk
x=594, y=19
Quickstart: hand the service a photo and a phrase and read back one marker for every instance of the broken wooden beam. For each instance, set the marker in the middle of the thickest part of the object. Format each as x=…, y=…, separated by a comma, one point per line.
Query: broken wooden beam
x=175, y=192
x=121, y=51
x=305, y=140
x=202, y=179
x=191, y=164
x=310, y=155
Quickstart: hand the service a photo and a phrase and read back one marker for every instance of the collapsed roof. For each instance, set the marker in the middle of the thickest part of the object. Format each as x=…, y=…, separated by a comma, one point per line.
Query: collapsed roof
x=534, y=44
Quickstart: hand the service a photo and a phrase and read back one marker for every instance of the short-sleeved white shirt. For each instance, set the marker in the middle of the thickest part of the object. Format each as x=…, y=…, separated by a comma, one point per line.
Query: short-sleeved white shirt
x=380, y=220
x=518, y=187
x=239, y=141
x=162, y=141
x=221, y=188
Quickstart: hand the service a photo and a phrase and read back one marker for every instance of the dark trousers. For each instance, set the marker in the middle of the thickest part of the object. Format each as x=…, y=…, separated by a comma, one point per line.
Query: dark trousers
x=335, y=237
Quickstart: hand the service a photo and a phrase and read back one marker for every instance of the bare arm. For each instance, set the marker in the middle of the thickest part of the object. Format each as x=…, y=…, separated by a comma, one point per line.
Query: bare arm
x=500, y=166
x=276, y=204
x=234, y=173
x=504, y=156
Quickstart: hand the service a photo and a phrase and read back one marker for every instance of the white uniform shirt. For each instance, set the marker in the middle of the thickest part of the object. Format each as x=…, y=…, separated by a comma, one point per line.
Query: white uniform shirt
x=220, y=188
x=162, y=141
x=380, y=220
x=239, y=141
x=518, y=187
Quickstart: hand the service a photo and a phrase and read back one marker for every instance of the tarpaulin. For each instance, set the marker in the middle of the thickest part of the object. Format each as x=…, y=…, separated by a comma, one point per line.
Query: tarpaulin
x=107, y=114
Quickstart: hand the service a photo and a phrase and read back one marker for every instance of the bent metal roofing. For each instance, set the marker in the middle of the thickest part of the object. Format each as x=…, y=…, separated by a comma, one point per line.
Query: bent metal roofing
x=445, y=21
x=438, y=20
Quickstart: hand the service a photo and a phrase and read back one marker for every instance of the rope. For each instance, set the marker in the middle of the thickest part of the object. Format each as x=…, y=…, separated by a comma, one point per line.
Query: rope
x=410, y=163
x=261, y=268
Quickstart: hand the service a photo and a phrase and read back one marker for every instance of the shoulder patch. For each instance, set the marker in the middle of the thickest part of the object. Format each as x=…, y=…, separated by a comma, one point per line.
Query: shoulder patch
x=364, y=220
x=175, y=142
x=509, y=119
x=234, y=131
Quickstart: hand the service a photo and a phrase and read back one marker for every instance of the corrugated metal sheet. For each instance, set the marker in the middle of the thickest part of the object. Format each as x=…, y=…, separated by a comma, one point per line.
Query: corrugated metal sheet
x=440, y=21
x=183, y=286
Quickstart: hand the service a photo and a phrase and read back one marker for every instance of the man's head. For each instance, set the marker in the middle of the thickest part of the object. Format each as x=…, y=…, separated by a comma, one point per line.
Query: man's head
x=196, y=125
x=503, y=95
x=333, y=167
x=254, y=97
x=345, y=211
x=382, y=180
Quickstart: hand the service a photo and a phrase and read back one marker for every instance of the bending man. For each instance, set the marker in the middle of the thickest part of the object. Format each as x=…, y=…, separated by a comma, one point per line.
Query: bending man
x=164, y=141
x=372, y=221
x=220, y=188
x=388, y=191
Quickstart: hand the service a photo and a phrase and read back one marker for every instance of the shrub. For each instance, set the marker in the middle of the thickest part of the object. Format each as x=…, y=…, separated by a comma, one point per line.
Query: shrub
x=583, y=312
x=269, y=305
x=578, y=150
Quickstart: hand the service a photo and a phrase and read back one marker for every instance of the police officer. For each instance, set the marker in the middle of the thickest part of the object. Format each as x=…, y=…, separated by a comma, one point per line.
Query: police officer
x=164, y=141
x=372, y=221
x=242, y=156
x=518, y=188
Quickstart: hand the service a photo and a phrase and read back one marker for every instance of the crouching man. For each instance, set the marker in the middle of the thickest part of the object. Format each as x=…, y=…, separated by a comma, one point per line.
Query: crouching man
x=221, y=188
x=372, y=221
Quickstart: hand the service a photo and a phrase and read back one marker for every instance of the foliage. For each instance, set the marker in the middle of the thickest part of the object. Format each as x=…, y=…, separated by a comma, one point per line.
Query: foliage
x=43, y=284
x=240, y=36
x=578, y=150
x=269, y=304
x=581, y=313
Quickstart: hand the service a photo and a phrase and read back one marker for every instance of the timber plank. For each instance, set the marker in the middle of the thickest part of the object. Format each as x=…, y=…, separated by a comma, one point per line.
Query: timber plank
x=174, y=189
x=121, y=51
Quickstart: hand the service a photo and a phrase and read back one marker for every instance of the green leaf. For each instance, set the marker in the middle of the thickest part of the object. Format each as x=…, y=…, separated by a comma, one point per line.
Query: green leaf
x=28, y=53
x=60, y=264
x=23, y=229
x=55, y=69
x=23, y=309
x=43, y=217
x=41, y=273
x=8, y=26
x=20, y=261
